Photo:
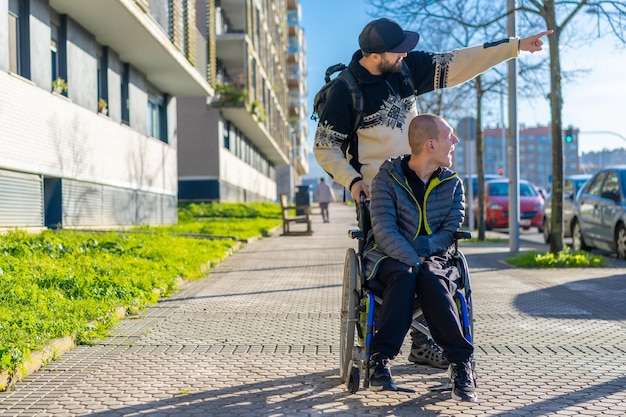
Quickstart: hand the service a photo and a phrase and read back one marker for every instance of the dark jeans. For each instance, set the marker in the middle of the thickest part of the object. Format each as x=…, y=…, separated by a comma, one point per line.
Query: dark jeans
x=324, y=209
x=435, y=285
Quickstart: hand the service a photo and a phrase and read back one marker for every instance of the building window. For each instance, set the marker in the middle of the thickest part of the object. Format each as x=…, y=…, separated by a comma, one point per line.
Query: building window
x=102, y=78
x=227, y=135
x=14, y=43
x=19, y=59
x=157, y=116
x=54, y=52
x=125, y=95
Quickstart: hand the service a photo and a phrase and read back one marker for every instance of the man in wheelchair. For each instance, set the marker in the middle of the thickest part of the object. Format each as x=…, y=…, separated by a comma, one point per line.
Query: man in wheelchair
x=417, y=204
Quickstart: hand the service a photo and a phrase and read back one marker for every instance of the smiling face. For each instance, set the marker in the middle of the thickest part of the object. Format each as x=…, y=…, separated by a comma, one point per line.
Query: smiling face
x=443, y=146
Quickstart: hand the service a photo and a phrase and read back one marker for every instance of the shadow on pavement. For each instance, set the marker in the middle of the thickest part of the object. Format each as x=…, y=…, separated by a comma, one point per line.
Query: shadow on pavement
x=299, y=395
x=552, y=405
x=597, y=298
x=311, y=394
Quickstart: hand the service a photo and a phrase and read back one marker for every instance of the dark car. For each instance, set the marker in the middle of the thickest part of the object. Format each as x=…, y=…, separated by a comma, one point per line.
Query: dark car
x=497, y=205
x=571, y=185
x=600, y=212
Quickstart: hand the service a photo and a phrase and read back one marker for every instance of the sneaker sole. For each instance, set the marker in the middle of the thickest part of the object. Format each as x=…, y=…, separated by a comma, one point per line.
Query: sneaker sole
x=427, y=363
x=381, y=388
x=471, y=399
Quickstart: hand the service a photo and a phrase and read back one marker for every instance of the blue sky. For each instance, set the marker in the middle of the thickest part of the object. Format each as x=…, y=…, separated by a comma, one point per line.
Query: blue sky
x=595, y=102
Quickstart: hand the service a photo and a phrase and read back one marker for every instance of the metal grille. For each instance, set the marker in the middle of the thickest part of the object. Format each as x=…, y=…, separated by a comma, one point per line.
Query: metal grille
x=21, y=200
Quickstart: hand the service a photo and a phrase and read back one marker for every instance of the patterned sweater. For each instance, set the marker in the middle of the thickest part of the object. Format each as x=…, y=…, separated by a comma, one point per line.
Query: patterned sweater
x=389, y=106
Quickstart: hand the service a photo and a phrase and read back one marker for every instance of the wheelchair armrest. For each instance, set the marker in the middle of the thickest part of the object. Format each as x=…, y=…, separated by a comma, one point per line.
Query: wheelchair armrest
x=356, y=234
x=458, y=235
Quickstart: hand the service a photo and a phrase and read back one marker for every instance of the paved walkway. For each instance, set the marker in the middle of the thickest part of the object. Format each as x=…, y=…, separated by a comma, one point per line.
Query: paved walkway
x=259, y=337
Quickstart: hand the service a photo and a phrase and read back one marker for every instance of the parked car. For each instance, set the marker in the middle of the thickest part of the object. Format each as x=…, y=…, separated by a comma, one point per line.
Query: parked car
x=488, y=177
x=600, y=212
x=474, y=179
x=542, y=191
x=497, y=205
x=571, y=186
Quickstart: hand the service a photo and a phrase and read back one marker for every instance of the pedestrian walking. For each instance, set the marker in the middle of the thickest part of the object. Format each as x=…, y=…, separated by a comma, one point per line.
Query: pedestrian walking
x=324, y=198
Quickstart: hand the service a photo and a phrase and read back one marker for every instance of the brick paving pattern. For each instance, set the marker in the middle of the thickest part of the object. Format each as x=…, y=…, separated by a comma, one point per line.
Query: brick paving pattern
x=259, y=336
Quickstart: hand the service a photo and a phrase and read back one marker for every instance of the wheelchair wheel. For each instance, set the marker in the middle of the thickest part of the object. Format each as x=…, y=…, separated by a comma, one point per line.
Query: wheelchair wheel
x=354, y=379
x=464, y=298
x=349, y=306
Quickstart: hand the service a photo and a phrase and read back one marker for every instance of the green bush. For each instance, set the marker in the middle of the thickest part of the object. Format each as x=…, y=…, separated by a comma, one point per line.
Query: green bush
x=190, y=211
x=562, y=259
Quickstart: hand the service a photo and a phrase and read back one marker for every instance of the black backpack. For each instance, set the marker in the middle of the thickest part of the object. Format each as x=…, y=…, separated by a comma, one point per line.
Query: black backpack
x=352, y=84
x=347, y=77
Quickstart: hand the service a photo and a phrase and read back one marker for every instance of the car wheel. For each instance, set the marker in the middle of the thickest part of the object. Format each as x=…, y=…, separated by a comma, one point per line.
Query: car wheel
x=620, y=241
x=578, y=241
x=546, y=231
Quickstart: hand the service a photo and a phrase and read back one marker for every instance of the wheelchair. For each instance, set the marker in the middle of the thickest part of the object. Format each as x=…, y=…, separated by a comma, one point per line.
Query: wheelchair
x=360, y=298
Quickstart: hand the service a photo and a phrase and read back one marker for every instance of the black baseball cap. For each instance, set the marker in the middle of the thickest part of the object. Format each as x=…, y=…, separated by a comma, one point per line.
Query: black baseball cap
x=385, y=35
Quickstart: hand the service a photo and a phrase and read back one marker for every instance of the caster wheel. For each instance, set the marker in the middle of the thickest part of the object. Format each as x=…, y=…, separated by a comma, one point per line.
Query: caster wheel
x=353, y=380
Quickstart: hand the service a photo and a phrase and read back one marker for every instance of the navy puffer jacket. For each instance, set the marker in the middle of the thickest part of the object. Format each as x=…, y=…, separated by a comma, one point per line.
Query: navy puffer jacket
x=396, y=216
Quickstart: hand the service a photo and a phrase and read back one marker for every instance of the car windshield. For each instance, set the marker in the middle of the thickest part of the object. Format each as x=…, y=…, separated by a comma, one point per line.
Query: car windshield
x=500, y=189
x=526, y=190
x=579, y=184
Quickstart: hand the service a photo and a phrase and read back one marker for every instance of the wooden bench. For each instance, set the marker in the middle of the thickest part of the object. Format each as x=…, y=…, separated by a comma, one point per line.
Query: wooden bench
x=289, y=218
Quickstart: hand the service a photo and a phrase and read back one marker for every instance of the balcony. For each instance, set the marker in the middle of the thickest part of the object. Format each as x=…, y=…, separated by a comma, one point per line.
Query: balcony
x=138, y=39
x=249, y=119
x=231, y=52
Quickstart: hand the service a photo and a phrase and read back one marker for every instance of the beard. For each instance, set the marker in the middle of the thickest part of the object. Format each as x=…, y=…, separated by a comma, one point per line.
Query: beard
x=385, y=67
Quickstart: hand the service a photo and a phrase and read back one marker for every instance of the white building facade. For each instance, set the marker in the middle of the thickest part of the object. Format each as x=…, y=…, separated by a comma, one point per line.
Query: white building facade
x=103, y=151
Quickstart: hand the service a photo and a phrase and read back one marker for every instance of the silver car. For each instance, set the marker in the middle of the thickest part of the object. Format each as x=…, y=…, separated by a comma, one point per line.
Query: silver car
x=571, y=185
x=600, y=213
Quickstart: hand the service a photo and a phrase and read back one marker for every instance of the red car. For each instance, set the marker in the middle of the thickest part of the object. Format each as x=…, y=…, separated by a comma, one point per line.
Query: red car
x=497, y=205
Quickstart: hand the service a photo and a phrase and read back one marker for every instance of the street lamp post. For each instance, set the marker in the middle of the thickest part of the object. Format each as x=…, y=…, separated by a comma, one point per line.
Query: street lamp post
x=604, y=132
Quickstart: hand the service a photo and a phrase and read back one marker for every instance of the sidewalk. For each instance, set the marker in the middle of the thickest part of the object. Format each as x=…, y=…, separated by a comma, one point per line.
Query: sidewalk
x=260, y=337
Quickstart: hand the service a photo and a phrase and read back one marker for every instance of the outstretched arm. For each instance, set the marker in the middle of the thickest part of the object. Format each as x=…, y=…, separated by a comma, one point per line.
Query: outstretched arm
x=533, y=43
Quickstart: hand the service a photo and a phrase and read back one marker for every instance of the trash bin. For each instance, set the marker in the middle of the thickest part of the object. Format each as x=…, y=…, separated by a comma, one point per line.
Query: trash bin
x=304, y=197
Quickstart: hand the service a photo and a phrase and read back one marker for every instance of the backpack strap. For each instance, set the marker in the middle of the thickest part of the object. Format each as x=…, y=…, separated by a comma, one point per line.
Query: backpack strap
x=351, y=144
x=354, y=88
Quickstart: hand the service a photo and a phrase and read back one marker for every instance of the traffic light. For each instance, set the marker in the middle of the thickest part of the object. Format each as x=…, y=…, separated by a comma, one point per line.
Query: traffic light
x=569, y=134
x=500, y=171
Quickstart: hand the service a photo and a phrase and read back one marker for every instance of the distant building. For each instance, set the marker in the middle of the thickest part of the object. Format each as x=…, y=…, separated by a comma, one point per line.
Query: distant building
x=88, y=126
x=246, y=143
x=591, y=162
x=535, y=154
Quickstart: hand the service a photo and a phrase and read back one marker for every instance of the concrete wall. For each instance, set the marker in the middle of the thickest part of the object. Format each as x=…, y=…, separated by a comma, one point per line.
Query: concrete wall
x=198, y=154
x=60, y=139
x=82, y=67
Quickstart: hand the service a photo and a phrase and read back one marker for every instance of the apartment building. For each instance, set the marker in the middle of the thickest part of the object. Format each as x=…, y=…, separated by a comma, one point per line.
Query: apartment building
x=88, y=110
x=535, y=154
x=298, y=90
x=244, y=144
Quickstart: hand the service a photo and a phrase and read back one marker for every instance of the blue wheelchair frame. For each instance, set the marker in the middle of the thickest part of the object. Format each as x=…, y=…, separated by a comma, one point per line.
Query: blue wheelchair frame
x=359, y=300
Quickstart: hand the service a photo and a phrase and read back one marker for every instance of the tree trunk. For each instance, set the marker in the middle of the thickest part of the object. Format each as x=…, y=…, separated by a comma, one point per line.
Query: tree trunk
x=556, y=104
x=480, y=162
